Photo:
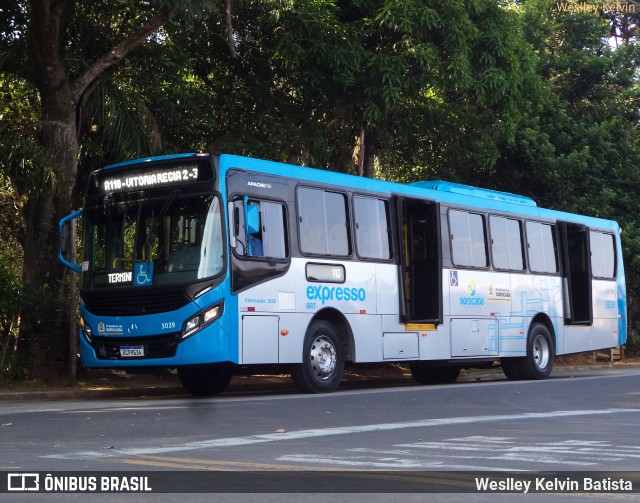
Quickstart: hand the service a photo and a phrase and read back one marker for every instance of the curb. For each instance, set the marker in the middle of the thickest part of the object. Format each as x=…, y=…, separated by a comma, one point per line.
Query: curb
x=88, y=394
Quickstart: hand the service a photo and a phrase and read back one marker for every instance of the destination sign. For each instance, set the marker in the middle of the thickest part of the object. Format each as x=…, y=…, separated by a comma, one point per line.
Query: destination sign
x=151, y=178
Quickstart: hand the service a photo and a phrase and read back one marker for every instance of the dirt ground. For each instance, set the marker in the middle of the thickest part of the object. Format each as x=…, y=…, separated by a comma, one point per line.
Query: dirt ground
x=162, y=378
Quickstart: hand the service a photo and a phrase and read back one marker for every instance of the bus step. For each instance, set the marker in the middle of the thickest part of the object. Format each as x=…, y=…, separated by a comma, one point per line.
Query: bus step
x=611, y=354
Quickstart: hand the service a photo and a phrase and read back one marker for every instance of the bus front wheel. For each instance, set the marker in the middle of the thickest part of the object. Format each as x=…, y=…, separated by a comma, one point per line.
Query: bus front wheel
x=322, y=360
x=540, y=349
x=203, y=381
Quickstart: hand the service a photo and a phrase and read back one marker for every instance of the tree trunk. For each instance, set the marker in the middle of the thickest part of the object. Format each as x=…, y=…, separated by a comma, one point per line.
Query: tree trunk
x=43, y=336
x=45, y=317
x=369, y=157
x=44, y=340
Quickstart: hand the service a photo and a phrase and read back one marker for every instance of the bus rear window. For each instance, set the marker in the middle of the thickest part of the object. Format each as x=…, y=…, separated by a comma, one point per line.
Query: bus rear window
x=603, y=253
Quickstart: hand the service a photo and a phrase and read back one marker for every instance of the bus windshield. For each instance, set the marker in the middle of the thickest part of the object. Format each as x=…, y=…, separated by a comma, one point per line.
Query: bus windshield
x=161, y=240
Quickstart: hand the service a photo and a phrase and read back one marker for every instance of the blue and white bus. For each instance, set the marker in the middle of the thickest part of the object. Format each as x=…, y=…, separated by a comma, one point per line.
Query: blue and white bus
x=218, y=265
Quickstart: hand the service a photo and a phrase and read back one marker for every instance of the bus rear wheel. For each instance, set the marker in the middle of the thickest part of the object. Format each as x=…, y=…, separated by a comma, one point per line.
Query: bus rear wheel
x=425, y=374
x=540, y=350
x=322, y=360
x=203, y=380
x=510, y=367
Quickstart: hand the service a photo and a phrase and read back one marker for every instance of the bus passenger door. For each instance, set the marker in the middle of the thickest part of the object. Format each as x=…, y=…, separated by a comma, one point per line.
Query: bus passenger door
x=420, y=260
x=576, y=261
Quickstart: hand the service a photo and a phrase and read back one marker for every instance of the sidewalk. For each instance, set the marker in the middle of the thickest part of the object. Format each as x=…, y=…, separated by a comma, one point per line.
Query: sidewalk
x=124, y=385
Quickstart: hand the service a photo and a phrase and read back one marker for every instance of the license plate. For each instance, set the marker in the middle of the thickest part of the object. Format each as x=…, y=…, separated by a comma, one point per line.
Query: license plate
x=131, y=351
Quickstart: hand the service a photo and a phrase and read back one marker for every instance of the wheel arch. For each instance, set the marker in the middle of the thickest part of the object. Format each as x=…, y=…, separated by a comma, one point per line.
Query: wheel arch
x=543, y=319
x=338, y=320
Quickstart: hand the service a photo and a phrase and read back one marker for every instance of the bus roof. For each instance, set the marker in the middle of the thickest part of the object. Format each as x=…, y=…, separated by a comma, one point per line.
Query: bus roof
x=446, y=192
x=443, y=191
x=468, y=190
x=152, y=159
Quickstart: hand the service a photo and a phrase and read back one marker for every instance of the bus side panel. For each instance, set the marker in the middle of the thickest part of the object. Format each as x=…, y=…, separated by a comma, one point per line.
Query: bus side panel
x=368, y=328
x=480, y=304
x=294, y=300
x=387, y=289
x=368, y=338
x=577, y=338
x=531, y=295
x=264, y=311
x=605, y=315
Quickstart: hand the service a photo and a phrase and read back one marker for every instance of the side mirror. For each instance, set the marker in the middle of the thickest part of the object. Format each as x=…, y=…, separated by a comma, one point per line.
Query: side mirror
x=65, y=240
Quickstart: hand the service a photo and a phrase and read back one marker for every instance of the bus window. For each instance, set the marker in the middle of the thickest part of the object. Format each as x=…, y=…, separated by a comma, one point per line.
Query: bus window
x=372, y=228
x=181, y=237
x=542, y=248
x=468, y=244
x=603, y=253
x=264, y=234
x=506, y=243
x=323, y=222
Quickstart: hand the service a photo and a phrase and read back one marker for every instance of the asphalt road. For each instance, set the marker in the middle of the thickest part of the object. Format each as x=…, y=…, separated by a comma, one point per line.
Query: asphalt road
x=586, y=421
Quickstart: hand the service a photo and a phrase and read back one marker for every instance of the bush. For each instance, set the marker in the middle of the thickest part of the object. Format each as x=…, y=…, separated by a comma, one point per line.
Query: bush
x=633, y=340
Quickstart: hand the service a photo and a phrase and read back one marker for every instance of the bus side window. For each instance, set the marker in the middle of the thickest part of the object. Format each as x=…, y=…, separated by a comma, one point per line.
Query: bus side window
x=542, y=248
x=323, y=222
x=506, y=243
x=259, y=229
x=372, y=228
x=468, y=239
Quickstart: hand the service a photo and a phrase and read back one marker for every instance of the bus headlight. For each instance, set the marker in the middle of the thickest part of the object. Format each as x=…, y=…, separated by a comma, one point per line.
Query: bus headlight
x=201, y=320
x=86, y=329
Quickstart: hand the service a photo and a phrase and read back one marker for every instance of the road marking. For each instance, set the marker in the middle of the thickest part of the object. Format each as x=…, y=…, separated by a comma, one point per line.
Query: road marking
x=325, y=432
x=142, y=408
x=462, y=452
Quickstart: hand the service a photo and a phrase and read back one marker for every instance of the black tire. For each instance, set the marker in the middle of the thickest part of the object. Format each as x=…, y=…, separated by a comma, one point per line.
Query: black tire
x=425, y=374
x=538, y=363
x=510, y=367
x=204, y=381
x=322, y=360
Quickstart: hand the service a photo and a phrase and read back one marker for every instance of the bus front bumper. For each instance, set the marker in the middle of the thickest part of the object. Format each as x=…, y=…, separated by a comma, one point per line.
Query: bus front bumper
x=210, y=345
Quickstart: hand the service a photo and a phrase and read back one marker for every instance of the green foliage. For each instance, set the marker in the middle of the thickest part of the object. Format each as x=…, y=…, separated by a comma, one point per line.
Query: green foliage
x=10, y=279
x=578, y=148
x=633, y=341
x=22, y=158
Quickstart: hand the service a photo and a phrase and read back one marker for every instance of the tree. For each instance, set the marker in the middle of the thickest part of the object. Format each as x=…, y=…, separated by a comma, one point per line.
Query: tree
x=577, y=147
x=64, y=84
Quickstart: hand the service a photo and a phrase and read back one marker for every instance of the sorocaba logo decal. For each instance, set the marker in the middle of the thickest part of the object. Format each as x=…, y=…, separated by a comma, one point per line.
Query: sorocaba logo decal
x=472, y=299
x=472, y=287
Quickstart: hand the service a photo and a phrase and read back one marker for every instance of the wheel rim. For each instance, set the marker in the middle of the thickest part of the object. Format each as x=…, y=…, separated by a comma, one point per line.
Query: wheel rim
x=323, y=357
x=541, y=351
